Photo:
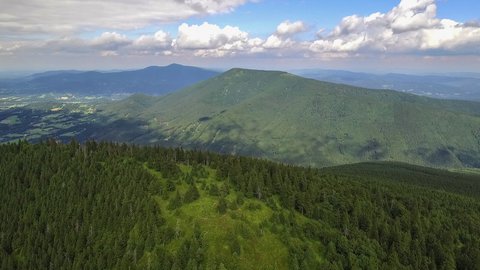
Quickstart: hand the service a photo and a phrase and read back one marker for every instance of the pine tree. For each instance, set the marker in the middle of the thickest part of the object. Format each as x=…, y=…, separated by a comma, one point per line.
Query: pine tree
x=192, y=194
x=171, y=185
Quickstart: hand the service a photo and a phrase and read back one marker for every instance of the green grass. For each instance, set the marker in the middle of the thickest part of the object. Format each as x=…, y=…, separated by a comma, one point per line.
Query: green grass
x=260, y=248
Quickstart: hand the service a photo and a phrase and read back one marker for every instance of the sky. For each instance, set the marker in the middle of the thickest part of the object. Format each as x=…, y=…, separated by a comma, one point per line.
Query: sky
x=410, y=36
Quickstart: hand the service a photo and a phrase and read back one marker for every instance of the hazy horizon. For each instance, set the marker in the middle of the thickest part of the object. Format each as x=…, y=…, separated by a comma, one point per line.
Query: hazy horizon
x=12, y=74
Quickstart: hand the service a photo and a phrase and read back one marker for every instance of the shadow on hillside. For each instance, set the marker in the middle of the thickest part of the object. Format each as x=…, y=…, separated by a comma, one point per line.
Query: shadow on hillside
x=447, y=156
x=37, y=125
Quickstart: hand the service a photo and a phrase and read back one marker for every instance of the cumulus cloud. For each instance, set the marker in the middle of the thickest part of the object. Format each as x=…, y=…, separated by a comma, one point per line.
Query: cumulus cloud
x=410, y=27
x=411, y=15
x=282, y=38
x=273, y=41
x=110, y=41
x=205, y=40
x=147, y=44
x=212, y=40
x=22, y=17
x=208, y=36
x=288, y=28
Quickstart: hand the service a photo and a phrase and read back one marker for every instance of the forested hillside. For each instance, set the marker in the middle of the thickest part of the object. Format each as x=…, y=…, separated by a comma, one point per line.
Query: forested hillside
x=105, y=206
x=272, y=115
x=286, y=118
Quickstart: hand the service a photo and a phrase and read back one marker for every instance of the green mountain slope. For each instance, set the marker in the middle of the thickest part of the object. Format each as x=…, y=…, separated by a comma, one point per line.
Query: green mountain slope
x=288, y=118
x=107, y=206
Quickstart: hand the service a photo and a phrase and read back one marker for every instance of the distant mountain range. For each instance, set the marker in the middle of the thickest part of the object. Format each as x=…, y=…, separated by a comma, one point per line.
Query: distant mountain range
x=464, y=86
x=151, y=80
x=283, y=117
x=157, y=80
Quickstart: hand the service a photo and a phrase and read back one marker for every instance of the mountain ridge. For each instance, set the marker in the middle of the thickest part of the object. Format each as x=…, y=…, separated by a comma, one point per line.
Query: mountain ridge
x=284, y=117
x=153, y=80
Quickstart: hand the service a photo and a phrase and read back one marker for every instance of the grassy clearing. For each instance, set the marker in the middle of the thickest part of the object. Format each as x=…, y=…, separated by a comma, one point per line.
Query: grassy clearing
x=235, y=238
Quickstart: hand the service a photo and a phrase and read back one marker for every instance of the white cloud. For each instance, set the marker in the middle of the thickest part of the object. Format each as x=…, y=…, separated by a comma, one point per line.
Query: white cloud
x=208, y=36
x=107, y=44
x=108, y=53
x=412, y=15
x=24, y=17
x=288, y=28
x=110, y=41
x=151, y=44
x=8, y=48
x=212, y=6
x=278, y=42
x=410, y=27
x=210, y=40
x=205, y=40
x=282, y=38
x=273, y=41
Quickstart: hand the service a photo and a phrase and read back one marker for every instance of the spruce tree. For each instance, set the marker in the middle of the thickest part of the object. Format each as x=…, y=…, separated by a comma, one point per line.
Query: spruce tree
x=192, y=194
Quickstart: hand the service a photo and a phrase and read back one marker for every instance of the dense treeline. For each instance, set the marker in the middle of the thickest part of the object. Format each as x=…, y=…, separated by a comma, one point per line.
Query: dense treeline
x=94, y=206
x=65, y=208
x=467, y=183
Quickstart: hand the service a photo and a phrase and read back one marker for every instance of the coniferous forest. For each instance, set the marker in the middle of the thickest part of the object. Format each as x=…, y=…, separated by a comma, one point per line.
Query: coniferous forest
x=112, y=206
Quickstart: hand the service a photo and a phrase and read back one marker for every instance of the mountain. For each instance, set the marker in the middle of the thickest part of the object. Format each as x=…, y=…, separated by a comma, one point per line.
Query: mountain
x=151, y=80
x=287, y=118
x=450, y=86
x=460, y=74
x=111, y=206
x=52, y=73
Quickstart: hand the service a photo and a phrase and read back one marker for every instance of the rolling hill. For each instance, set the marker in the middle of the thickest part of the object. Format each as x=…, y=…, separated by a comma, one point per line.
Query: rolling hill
x=152, y=80
x=283, y=117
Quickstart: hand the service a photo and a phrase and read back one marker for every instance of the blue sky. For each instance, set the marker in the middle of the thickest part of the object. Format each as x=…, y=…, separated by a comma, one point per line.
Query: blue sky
x=261, y=17
x=403, y=35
